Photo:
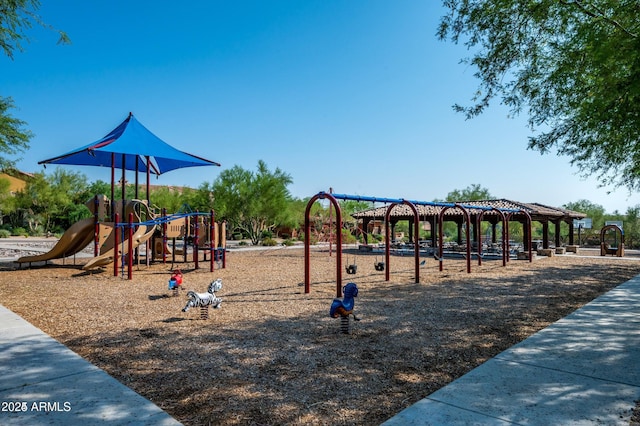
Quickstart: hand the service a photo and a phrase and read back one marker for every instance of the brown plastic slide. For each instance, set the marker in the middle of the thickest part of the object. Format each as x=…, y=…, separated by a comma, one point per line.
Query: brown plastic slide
x=142, y=234
x=74, y=239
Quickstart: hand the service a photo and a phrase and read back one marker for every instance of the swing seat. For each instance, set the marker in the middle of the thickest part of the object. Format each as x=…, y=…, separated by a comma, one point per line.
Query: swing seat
x=379, y=266
x=351, y=269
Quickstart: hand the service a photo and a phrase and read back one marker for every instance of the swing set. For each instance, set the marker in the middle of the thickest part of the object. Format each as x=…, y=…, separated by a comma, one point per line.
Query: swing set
x=352, y=268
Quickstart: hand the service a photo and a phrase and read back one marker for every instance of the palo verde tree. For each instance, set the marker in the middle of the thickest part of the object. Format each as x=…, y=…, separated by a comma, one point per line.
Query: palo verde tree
x=252, y=202
x=16, y=17
x=53, y=202
x=572, y=65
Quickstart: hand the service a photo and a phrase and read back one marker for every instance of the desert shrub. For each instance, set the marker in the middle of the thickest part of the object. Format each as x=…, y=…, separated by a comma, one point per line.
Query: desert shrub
x=38, y=230
x=287, y=242
x=348, y=237
x=5, y=233
x=269, y=242
x=19, y=232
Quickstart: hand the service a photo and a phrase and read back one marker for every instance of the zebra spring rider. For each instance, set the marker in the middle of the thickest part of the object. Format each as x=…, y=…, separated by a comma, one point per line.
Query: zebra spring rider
x=204, y=300
x=342, y=308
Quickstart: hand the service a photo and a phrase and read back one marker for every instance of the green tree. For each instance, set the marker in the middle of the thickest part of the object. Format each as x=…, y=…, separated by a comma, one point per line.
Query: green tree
x=98, y=187
x=166, y=198
x=7, y=201
x=473, y=192
x=14, y=138
x=16, y=17
x=201, y=199
x=632, y=227
x=573, y=65
x=348, y=207
x=595, y=212
x=53, y=202
x=252, y=202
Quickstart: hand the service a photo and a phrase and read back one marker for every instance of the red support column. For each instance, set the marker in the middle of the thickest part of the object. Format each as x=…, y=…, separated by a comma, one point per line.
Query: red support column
x=212, y=244
x=307, y=244
x=130, y=248
x=115, y=244
x=164, y=236
x=196, y=240
x=96, y=224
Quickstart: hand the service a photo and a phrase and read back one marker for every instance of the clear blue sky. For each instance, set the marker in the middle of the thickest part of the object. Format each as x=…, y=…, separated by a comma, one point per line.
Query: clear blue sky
x=354, y=95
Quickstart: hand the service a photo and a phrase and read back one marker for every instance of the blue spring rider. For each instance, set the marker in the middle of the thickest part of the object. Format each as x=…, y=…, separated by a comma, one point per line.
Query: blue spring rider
x=344, y=308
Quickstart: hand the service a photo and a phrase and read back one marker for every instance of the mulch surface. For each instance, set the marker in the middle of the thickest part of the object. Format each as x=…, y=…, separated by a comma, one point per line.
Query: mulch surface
x=272, y=355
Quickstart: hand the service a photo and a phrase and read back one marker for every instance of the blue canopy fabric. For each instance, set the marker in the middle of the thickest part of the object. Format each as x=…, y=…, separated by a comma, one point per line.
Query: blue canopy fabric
x=131, y=146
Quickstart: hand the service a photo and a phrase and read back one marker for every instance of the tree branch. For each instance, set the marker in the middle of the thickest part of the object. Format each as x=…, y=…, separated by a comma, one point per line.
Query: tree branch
x=599, y=14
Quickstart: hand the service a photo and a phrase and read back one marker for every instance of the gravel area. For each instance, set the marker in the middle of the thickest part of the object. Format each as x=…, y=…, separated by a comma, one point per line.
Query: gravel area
x=272, y=355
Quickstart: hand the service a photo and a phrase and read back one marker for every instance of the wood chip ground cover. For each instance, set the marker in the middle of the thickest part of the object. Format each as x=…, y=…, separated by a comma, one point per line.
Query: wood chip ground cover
x=272, y=355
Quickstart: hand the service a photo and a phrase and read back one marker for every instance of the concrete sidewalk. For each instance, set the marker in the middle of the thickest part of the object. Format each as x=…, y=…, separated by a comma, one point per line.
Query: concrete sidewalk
x=581, y=370
x=42, y=382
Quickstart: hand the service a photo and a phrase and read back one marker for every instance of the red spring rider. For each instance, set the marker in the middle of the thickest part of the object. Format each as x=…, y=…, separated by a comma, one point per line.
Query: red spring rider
x=176, y=280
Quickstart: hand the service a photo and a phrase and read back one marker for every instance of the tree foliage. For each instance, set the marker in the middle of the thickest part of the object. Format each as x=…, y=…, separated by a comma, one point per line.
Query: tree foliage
x=53, y=202
x=16, y=17
x=252, y=202
x=473, y=192
x=14, y=138
x=631, y=227
x=572, y=65
x=595, y=212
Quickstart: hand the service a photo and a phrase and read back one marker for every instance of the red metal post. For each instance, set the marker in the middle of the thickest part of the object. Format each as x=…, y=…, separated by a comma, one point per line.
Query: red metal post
x=196, y=241
x=164, y=235
x=187, y=232
x=224, y=248
x=130, y=248
x=330, y=227
x=505, y=245
x=113, y=182
x=479, y=232
x=307, y=243
x=440, y=238
x=96, y=226
x=115, y=244
x=416, y=236
x=212, y=244
x=387, y=245
x=467, y=220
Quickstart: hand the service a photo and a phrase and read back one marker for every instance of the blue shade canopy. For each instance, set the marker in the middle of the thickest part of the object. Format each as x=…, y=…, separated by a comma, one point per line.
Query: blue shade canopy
x=131, y=146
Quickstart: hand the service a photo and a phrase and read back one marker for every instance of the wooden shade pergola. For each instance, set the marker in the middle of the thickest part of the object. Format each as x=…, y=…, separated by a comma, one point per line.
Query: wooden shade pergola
x=546, y=215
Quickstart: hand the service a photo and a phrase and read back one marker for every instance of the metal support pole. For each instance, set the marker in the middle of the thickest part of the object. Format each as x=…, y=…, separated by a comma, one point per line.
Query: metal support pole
x=130, y=248
x=115, y=244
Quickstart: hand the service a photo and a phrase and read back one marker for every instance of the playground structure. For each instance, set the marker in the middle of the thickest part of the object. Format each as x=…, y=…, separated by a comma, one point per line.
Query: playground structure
x=119, y=242
x=617, y=249
x=505, y=215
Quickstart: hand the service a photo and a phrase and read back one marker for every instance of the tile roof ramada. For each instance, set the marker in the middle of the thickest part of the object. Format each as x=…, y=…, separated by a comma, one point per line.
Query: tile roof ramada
x=537, y=211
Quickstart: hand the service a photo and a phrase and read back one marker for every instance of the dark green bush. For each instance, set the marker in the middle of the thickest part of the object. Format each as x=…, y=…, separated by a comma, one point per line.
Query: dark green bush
x=19, y=232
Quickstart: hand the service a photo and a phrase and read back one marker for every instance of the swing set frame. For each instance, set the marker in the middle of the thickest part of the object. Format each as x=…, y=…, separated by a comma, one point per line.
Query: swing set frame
x=393, y=202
